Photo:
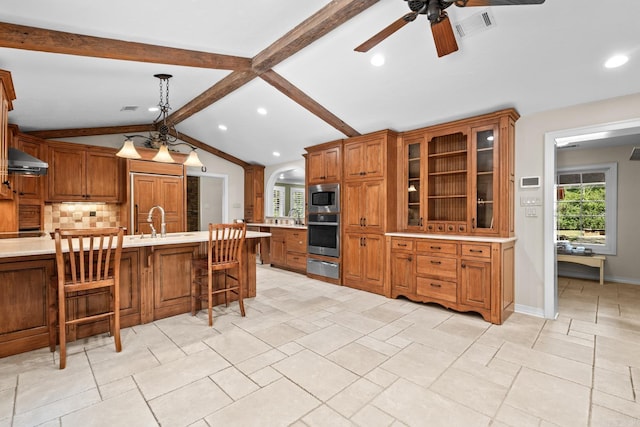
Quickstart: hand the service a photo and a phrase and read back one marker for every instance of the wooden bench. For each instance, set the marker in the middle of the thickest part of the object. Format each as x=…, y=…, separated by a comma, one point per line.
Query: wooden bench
x=591, y=261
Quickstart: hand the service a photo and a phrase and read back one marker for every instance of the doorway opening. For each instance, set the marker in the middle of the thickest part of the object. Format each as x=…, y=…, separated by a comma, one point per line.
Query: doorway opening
x=597, y=132
x=207, y=201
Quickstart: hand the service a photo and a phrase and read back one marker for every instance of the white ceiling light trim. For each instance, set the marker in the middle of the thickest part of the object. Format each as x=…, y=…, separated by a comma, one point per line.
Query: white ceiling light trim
x=262, y=111
x=377, y=60
x=222, y=127
x=616, y=61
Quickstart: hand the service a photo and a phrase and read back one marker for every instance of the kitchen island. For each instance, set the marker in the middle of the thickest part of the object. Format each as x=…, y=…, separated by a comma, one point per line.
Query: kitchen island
x=155, y=282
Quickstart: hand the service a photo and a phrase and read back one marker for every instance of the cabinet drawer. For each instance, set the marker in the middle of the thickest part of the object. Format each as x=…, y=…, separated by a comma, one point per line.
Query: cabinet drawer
x=297, y=241
x=437, y=289
x=437, y=247
x=297, y=261
x=475, y=250
x=444, y=268
x=401, y=245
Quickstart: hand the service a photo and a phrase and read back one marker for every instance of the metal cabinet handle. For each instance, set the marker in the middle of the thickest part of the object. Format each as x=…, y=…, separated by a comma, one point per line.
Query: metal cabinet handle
x=436, y=247
x=436, y=285
x=476, y=250
x=436, y=262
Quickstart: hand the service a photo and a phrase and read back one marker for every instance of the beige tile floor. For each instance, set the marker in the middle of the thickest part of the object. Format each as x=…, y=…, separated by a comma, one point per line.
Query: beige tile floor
x=314, y=354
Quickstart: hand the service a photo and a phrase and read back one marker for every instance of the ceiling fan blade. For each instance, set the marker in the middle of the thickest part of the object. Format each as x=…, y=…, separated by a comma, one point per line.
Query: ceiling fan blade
x=496, y=2
x=443, y=37
x=386, y=32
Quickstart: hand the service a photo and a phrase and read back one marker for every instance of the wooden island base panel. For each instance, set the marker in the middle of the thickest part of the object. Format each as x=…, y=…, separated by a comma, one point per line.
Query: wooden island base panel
x=155, y=282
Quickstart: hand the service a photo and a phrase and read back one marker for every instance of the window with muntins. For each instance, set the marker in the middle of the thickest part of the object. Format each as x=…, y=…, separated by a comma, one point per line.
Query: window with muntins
x=586, y=205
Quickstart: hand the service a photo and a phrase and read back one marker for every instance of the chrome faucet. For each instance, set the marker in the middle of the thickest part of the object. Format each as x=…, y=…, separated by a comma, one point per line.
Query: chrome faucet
x=295, y=216
x=163, y=225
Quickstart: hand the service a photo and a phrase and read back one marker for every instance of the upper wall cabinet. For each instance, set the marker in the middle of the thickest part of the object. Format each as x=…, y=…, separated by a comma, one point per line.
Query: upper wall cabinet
x=324, y=163
x=7, y=95
x=364, y=157
x=458, y=178
x=82, y=173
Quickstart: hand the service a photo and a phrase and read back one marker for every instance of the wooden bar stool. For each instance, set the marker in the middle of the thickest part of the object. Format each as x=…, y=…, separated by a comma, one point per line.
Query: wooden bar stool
x=88, y=264
x=224, y=257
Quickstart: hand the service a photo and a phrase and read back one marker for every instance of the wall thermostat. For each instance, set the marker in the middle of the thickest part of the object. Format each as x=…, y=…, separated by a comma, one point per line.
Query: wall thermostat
x=530, y=182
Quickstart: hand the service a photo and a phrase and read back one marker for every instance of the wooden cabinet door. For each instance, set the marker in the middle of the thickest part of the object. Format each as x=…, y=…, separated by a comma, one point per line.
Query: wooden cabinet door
x=364, y=205
x=171, y=197
x=66, y=176
x=373, y=205
x=354, y=167
x=403, y=274
x=316, y=167
x=352, y=263
x=364, y=159
x=324, y=166
x=24, y=284
x=30, y=188
x=333, y=164
x=374, y=154
x=352, y=216
x=104, y=177
x=374, y=253
x=172, y=280
x=277, y=247
x=475, y=283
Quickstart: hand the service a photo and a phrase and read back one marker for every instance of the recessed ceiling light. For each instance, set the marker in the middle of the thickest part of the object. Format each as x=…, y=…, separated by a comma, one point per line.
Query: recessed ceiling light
x=222, y=127
x=275, y=153
x=262, y=111
x=281, y=176
x=616, y=61
x=154, y=109
x=377, y=60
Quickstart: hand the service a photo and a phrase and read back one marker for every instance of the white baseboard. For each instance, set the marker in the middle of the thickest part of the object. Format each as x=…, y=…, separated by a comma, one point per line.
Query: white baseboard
x=527, y=309
x=614, y=279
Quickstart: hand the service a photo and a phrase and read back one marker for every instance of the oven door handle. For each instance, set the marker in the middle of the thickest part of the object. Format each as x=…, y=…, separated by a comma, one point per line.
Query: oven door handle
x=322, y=223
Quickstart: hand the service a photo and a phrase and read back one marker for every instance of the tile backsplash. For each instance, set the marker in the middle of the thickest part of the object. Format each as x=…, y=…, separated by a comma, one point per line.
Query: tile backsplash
x=80, y=215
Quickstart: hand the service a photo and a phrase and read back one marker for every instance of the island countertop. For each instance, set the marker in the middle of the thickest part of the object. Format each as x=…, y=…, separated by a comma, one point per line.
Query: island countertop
x=44, y=245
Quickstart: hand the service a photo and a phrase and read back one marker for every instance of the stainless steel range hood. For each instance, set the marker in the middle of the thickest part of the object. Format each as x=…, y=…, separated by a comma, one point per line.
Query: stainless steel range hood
x=25, y=164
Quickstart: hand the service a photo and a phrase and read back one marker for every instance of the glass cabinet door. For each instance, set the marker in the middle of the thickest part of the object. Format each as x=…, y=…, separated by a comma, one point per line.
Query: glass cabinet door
x=485, y=180
x=414, y=170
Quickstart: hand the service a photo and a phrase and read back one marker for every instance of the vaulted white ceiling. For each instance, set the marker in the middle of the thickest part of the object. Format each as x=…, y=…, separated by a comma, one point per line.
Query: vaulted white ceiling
x=536, y=58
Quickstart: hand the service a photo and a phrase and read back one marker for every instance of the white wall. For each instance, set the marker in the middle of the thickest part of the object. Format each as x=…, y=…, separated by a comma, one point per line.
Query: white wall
x=214, y=164
x=530, y=138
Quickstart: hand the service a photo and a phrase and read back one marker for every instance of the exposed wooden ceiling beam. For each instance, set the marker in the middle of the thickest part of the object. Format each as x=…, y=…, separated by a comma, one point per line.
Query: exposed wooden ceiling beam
x=107, y=130
x=286, y=87
x=216, y=92
x=43, y=40
x=322, y=22
x=209, y=149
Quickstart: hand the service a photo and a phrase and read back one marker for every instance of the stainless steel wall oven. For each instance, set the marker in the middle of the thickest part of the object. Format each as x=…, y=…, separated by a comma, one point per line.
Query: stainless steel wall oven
x=323, y=234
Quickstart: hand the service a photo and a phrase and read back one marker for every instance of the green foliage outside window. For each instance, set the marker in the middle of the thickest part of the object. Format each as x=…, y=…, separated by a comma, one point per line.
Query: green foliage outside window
x=581, y=207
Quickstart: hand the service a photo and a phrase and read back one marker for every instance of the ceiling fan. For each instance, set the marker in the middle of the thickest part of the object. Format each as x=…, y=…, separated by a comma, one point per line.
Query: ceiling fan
x=440, y=25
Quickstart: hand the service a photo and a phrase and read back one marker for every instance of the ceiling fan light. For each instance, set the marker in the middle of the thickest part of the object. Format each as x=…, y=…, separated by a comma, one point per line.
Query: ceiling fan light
x=128, y=150
x=193, y=160
x=163, y=156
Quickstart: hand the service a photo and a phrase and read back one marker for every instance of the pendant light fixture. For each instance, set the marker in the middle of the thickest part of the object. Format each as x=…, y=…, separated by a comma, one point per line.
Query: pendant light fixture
x=165, y=135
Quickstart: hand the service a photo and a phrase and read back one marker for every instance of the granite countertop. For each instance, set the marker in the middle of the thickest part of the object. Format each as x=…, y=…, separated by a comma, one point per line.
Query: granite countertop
x=45, y=245
x=454, y=237
x=264, y=224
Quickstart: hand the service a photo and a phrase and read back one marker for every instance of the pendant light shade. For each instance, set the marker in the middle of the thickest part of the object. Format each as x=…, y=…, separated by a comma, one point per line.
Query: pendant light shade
x=163, y=155
x=193, y=160
x=128, y=151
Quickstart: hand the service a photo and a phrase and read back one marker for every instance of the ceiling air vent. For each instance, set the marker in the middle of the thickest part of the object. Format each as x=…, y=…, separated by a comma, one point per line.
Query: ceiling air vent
x=475, y=24
x=635, y=154
x=129, y=108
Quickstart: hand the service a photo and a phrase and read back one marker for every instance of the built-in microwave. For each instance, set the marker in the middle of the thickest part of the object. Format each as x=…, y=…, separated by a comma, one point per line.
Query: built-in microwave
x=324, y=198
